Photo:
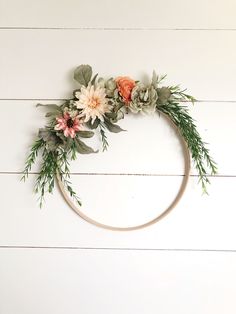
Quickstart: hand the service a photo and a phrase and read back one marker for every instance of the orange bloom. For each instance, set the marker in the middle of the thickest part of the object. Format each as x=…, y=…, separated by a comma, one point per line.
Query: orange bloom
x=125, y=86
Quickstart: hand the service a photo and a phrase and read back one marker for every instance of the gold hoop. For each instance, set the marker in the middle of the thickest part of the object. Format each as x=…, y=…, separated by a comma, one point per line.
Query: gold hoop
x=159, y=217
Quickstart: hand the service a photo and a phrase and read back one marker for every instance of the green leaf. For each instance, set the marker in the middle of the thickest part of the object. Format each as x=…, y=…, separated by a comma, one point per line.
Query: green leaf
x=45, y=134
x=82, y=148
x=114, y=128
x=51, y=139
x=111, y=115
x=94, y=79
x=85, y=134
x=51, y=107
x=83, y=74
x=154, y=79
x=67, y=144
x=93, y=125
x=164, y=94
x=51, y=114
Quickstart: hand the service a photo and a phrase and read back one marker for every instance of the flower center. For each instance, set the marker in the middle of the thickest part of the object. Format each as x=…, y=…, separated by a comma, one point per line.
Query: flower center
x=70, y=123
x=94, y=102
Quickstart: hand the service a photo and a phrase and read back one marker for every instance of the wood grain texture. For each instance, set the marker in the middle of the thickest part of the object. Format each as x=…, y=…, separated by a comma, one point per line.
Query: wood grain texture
x=40, y=63
x=61, y=281
x=123, y=14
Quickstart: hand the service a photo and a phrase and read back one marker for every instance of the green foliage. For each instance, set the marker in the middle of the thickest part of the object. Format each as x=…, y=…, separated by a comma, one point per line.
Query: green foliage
x=93, y=125
x=82, y=148
x=64, y=173
x=114, y=128
x=46, y=178
x=164, y=94
x=83, y=74
x=31, y=159
x=186, y=125
x=60, y=140
x=85, y=134
x=103, y=137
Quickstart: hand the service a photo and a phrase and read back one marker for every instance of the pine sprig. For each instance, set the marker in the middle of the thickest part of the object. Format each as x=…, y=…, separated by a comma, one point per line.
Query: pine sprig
x=46, y=178
x=69, y=188
x=200, y=153
x=103, y=137
x=64, y=172
x=53, y=163
x=180, y=95
x=36, y=147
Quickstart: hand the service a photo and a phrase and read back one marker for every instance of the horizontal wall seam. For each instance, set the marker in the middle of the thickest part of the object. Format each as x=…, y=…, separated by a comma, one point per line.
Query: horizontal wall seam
x=117, y=249
x=124, y=174
x=114, y=28
x=64, y=99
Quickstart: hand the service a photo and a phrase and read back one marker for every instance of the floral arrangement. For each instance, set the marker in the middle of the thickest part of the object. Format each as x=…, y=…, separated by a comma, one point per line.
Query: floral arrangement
x=96, y=106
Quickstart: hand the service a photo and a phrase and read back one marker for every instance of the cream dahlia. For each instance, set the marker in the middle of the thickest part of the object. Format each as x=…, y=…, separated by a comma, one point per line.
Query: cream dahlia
x=93, y=103
x=68, y=125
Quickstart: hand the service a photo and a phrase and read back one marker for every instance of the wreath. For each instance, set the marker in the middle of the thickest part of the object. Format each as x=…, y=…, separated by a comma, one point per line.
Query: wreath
x=96, y=107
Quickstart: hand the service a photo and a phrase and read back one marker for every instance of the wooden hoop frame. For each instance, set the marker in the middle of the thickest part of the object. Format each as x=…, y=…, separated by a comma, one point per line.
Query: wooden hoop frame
x=159, y=217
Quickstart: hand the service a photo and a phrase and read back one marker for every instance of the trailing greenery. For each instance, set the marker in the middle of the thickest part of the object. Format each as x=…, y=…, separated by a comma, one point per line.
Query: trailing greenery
x=103, y=137
x=199, y=152
x=96, y=107
x=31, y=159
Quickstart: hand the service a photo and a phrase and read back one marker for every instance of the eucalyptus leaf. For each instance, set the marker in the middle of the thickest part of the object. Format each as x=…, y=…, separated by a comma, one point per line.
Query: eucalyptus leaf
x=114, y=128
x=83, y=74
x=154, y=79
x=51, y=139
x=82, y=148
x=94, y=79
x=44, y=134
x=51, y=107
x=111, y=115
x=68, y=143
x=85, y=134
x=93, y=125
x=164, y=94
x=51, y=114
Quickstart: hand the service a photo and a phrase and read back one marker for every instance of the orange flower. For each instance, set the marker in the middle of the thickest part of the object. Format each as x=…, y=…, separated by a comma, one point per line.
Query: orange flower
x=125, y=86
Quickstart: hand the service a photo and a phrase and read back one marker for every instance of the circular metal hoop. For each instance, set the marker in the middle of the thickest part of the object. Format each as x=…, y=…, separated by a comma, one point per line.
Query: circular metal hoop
x=179, y=195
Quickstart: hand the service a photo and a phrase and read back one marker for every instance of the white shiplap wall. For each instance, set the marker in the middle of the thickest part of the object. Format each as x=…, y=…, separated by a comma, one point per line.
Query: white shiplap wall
x=50, y=259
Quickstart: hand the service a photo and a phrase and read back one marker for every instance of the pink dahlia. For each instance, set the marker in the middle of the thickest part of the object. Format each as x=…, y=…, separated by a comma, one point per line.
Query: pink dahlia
x=68, y=125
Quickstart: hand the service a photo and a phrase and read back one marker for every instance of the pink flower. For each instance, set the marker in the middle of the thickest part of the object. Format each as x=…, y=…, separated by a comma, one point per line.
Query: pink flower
x=68, y=125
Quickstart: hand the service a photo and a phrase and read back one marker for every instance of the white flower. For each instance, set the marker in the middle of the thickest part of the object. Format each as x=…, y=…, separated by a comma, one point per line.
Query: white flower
x=93, y=103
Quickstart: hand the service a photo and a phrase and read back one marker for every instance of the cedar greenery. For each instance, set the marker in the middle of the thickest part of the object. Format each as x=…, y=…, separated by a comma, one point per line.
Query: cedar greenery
x=97, y=105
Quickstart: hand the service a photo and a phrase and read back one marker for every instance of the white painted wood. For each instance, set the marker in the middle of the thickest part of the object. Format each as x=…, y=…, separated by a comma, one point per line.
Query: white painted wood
x=198, y=222
x=118, y=14
x=155, y=147
x=119, y=38
x=64, y=281
x=40, y=63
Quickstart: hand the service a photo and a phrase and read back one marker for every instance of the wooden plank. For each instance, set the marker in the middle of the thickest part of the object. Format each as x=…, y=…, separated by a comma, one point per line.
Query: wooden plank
x=155, y=147
x=40, y=63
x=113, y=14
x=198, y=222
x=68, y=281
